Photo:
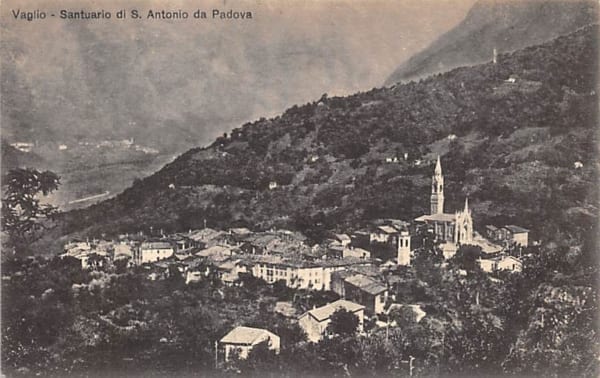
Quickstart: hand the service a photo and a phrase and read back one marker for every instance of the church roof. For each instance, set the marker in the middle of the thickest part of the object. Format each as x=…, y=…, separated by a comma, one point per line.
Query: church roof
x=436, y=218
x=516, y=229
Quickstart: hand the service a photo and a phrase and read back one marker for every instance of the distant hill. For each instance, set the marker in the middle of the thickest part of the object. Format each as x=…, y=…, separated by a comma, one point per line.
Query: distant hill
x=504, y=25
x=14, y=158
x=511, y=147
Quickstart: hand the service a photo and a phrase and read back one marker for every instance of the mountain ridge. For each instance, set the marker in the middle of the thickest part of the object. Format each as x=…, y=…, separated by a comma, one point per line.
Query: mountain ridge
x=506, y=26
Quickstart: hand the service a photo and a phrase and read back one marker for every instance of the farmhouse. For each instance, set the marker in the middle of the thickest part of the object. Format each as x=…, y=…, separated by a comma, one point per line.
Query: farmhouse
x=315, y=321
x=243, y=339
x=362, y=289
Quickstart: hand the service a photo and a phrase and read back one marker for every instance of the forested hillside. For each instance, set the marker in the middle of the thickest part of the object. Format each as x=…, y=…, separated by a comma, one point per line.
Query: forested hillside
x=511, y=147
x=504, y=25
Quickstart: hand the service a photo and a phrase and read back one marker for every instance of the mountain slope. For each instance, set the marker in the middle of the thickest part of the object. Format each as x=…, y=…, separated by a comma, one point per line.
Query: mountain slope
x=504, y=25
x=164, y=83
x=510, y=147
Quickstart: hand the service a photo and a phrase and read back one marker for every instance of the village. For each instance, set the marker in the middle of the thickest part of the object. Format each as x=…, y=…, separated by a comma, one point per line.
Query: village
x=363, y=267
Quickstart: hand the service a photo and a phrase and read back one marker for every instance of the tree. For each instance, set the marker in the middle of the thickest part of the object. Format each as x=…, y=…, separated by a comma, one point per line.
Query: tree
x=404, y=316
x=260, y=359
x=466, y=257
x=343, y=323
x=23, y=216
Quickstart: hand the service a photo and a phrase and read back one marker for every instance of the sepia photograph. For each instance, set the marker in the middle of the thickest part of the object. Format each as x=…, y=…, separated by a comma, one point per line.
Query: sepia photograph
x=299, y=188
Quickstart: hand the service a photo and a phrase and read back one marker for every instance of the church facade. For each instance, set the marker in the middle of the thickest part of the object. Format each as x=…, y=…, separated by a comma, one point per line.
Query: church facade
x=456, y=228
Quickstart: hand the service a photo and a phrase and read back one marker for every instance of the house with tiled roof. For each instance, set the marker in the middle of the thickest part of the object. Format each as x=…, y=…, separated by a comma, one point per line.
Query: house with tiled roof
x=502, y=262
x=153, y=251
x=241, y=340
x=360, y=288
x=515, y=234
x=216, y=253
x=315, y=321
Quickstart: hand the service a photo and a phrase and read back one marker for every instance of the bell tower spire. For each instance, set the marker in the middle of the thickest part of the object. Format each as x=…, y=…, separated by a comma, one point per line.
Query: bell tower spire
x=437, y=189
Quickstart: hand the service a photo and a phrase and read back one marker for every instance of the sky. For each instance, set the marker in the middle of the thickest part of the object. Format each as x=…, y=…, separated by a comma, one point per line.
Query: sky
x=178, y=84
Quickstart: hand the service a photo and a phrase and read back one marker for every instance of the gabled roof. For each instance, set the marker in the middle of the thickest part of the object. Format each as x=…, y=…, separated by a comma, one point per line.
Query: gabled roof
x=516, y=229
x=205, y=234
x=262, y=240
x=246, y=335
x=366, y=284
x=513, y=258
x=501, y=258
x=325, y=312
x=180, y=256
x=156, y=245
x=228, y=265
x=491, y=227
x=240, y=231
x=357, y=250
x=342, y=237
x=436, y=218
x=214, y=250
x=388, y=229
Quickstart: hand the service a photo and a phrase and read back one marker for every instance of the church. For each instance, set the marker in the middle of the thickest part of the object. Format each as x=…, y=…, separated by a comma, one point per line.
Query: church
x=455, y=228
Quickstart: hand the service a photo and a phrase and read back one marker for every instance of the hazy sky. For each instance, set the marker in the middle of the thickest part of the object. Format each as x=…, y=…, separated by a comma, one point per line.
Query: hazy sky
x=179, y=83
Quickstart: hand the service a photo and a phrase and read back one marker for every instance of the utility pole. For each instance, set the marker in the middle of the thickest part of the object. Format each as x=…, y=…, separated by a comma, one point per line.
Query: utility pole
x=216, y=354
x=387, y=329
x=410, y=364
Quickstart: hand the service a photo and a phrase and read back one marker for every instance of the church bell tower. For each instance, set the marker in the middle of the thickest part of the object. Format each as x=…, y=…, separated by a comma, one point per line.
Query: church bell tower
x=437, y=189
x=404, y=248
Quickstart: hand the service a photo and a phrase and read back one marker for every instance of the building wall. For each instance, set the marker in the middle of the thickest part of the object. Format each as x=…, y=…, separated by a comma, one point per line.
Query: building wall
x=379, y=237
x=487, y=265
x=310, y=278
x=510, y=264
x=313, y=328
x=379, y=302
x=152, y=255
x=403, y=250
x=327, y=271
x=294, y=277
x=444, y=231
x=521, y=239
x=244, y=350
x=357, y=253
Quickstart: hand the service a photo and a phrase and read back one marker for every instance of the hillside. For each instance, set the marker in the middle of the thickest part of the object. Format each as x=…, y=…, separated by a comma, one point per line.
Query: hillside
x=513, y=155
x=13, y=158
x=504, y=25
